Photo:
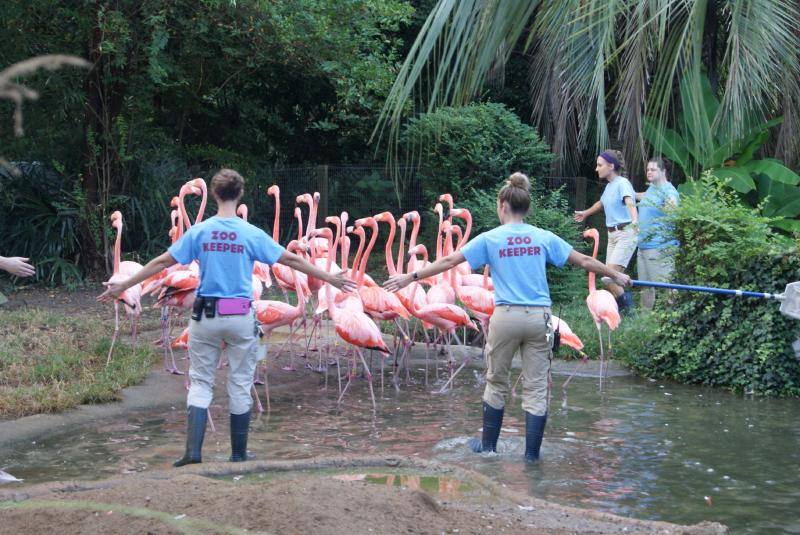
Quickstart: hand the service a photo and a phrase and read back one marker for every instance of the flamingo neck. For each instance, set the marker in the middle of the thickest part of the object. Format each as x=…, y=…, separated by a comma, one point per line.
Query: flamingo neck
x=467, y=230
x=401, y=250
x=357, y=259
x=592, y=286
x=363, y=267
x=388, y=248
x=312, y=217
x=203, y=202
x=439, y=238
x=276, y=224
x=182, y=209
x=117, y=249
x=486, y=277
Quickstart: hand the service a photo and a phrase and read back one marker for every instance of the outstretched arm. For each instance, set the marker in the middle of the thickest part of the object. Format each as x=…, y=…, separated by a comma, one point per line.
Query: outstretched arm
x=338, y=280
x=398, y=282
x=113, y=289
x=581, y=215
x=590, y=264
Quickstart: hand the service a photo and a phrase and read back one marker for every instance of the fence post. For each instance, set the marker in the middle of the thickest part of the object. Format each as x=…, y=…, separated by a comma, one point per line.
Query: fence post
x=580, y=193
x=322, y=188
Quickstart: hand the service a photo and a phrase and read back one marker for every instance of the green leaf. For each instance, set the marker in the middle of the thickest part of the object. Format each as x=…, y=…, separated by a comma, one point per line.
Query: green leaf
x=775, y=170
x=668, y=142
x=791, y=225
x=737, y=178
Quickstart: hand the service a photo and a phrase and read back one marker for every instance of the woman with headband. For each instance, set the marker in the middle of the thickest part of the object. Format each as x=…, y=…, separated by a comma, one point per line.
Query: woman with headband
x=517, y=253
x=618, y=201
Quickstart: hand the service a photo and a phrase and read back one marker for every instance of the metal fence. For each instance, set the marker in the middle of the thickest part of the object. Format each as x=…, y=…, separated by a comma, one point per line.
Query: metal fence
x=359, y=190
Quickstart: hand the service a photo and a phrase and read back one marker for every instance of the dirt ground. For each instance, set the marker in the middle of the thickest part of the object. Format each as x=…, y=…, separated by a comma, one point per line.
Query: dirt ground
x=300, y=497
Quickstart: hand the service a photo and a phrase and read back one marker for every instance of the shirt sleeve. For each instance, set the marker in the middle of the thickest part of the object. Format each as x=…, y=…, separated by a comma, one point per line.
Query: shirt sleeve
x=558, y=250
x=266, y=249
x=475, y=252
x=183, y=249
x=626, y=190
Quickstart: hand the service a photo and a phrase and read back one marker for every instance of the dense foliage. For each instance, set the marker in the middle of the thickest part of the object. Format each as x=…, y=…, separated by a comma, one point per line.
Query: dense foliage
x=739, y=343
x=472, y=147
x=185, y=87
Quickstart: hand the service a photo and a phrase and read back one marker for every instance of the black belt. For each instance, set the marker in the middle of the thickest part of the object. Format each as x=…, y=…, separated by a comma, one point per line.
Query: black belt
x=618, y=227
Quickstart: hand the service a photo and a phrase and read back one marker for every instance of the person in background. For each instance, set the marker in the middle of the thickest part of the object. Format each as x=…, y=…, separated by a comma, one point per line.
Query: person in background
x=655, y=259
x=517, y=254
x=618, y=201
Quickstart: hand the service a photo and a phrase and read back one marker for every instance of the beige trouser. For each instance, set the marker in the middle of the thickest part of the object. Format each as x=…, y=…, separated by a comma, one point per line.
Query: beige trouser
x=621, y=246
x=654, y=265
x=205, y=346
x=529, y=330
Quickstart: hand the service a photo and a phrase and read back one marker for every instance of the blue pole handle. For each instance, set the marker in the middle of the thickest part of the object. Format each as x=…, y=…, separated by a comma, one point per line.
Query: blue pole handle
x=720, y=291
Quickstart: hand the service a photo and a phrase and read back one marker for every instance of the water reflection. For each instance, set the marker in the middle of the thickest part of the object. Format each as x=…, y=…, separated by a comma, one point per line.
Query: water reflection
x=639, y=449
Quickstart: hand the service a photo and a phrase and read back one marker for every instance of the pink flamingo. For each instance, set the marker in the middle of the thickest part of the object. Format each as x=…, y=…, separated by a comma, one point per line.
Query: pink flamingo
x=444, y=316
x=132, y=297
x=283, y=274
x=351, y=323
x=602, y=306
x=273, y=314
x=441, y=291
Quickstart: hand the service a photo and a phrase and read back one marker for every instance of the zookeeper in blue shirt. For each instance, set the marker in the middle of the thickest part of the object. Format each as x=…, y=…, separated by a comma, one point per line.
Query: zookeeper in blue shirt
x=655, y=259
x=517, y=253
x=618, y=201
x=226, y=248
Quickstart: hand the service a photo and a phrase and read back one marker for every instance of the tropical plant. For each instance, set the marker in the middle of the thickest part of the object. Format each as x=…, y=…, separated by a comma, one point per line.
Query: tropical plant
x=738, y=343
x=698, y=145
x=598, y=66
x=473, y=147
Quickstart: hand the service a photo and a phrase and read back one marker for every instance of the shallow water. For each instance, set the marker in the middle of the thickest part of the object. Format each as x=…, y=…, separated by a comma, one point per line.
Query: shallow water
x=640, y=449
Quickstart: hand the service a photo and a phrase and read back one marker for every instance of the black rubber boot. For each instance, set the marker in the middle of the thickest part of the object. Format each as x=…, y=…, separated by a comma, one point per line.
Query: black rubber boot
x=196, y=419
x=240, y=425
x=492, y=421
x=534, y=432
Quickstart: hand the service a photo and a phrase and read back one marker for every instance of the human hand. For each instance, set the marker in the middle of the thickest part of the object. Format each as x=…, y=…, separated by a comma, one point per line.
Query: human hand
x=397, y=282
x=113, y=291
x=340, y=281
x=623, y=279
x=580, y=216
x=17, y=266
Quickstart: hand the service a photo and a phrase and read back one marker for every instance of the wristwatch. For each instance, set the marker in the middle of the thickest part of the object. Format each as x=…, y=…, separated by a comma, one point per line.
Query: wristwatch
x=415, y=276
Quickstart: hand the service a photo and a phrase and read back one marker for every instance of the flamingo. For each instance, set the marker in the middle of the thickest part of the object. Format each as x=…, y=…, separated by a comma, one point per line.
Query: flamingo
x=351, y=323
x=132, y=297
x=466, y=215
x=378, y=303
x=441, y=291
x=602, y=305
x=283, y=274
x=444, y=316
x=273, y=314
x=261, y=270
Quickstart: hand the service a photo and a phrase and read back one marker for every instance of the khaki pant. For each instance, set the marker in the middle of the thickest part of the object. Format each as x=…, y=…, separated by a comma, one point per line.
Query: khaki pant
x=205, y=347
x=529, y=330
x=621, y=246
x=654, y=265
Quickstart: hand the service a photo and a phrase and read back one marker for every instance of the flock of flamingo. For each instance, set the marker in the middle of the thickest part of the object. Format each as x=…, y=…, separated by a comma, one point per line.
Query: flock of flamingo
x=457, y=298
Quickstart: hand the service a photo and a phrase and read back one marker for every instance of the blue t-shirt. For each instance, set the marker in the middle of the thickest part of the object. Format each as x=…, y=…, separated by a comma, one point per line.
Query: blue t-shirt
x=226, y=248
x=653, y=232
x=613, y=199
x=516, y=254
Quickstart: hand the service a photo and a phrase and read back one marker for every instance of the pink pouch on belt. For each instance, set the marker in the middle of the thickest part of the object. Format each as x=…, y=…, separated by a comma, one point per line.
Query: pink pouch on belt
x=233, y=306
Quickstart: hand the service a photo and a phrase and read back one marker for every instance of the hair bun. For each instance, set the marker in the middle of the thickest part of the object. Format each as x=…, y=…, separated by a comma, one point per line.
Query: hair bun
x=519, y=180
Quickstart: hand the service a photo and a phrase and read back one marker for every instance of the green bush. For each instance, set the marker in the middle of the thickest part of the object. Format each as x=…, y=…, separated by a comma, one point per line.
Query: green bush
x=472, y=147
x=738, y=343
x=550, y=211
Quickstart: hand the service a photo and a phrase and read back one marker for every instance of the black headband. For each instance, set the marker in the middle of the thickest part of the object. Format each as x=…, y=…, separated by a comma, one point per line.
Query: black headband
x=610, y=159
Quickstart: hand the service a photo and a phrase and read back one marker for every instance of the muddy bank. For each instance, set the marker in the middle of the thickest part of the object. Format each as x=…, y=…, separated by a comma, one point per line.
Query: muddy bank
x=313, y=496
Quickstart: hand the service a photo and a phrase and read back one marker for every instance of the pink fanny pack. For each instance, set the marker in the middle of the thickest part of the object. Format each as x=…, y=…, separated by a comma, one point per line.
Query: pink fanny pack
x=233, y=306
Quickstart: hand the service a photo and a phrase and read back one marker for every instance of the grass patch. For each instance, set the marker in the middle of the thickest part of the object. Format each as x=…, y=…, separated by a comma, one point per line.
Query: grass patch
x=634, y=333
x=51, y=361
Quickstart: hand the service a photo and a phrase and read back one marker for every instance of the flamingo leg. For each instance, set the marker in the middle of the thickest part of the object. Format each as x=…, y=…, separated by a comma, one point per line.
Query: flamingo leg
x=116, y=332
x=602, y=354
x=258, y=400
x=369, y=377
x=584, y=359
